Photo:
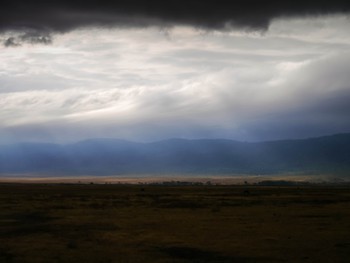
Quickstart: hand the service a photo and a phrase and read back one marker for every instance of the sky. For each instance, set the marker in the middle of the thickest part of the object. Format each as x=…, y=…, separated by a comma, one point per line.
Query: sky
x=72, y=70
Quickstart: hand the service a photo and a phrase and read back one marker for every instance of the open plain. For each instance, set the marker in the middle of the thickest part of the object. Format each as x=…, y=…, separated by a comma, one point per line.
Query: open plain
x=173, y=223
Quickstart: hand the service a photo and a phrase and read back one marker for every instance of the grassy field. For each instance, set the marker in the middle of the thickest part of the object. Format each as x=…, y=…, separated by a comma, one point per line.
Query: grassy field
x=144, y=223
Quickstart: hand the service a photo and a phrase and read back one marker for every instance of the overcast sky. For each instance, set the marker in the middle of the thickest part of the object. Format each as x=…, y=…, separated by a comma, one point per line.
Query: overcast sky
x=69, y=73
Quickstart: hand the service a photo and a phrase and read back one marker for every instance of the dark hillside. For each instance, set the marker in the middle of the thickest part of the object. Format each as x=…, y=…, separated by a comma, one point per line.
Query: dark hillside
x=329, y=154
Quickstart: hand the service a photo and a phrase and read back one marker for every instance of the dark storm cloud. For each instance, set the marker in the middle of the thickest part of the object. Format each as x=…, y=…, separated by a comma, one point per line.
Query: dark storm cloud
x=69, y=14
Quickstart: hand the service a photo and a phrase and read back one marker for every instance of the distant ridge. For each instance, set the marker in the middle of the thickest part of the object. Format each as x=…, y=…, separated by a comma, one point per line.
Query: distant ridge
x=327, y=154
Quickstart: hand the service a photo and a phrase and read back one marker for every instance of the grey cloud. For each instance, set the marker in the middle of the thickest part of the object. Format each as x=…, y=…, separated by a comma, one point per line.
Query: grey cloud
x=30, y=37
x=36, y=38
x=236, y=87
x=319, y=104
x=11, y=42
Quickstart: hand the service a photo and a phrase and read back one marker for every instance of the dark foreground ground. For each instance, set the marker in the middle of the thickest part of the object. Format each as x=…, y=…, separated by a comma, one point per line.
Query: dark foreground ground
x=134, y=223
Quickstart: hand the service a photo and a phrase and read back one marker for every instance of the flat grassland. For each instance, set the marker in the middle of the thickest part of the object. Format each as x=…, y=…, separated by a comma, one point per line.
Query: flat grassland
x=150, y=223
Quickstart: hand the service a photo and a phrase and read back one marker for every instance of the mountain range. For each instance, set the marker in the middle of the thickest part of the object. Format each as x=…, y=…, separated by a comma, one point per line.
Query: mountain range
x=328, y=154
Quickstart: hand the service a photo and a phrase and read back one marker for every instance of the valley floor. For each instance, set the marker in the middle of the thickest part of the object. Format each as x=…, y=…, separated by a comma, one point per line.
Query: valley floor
x=157, y=223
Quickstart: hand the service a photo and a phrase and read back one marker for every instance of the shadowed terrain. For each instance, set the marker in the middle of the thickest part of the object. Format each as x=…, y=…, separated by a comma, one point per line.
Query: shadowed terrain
x=154, y=223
